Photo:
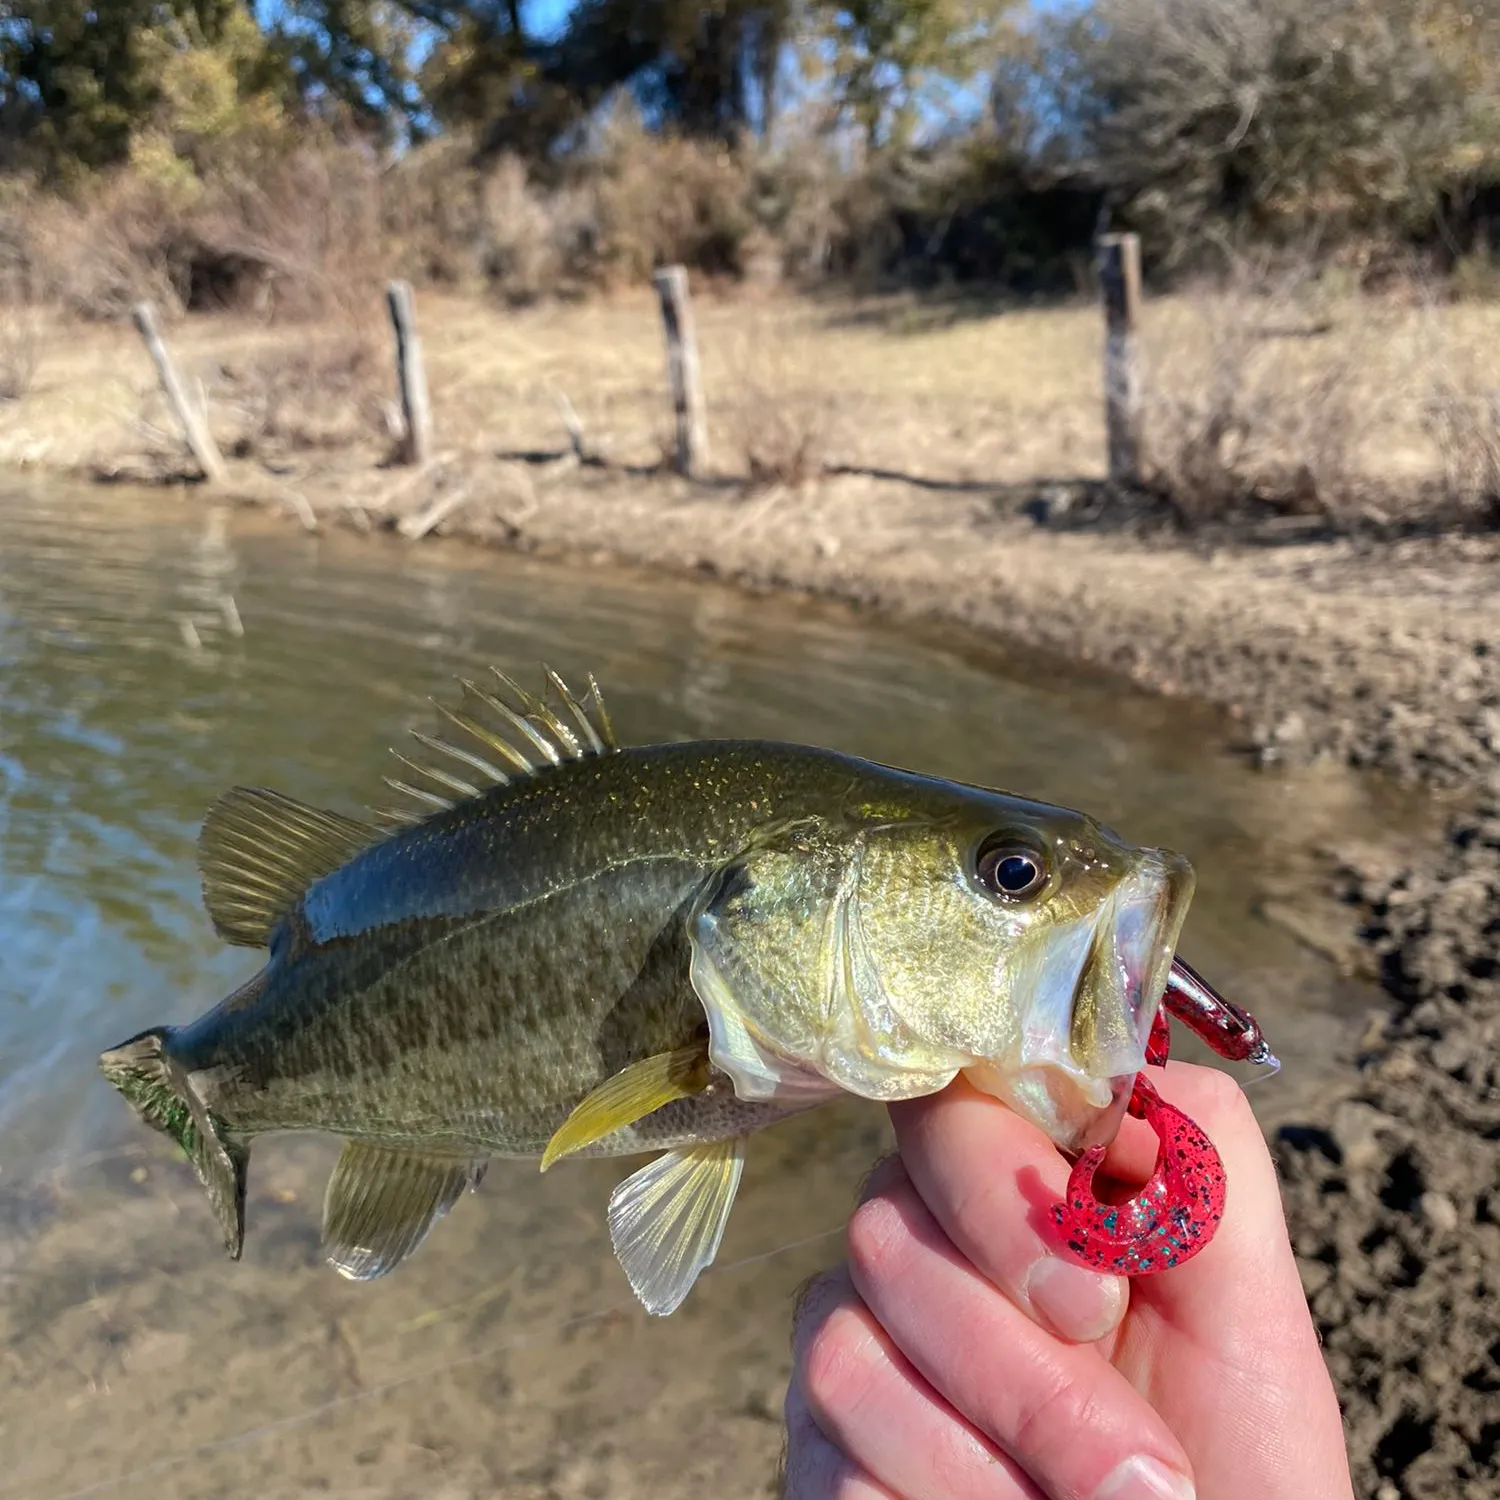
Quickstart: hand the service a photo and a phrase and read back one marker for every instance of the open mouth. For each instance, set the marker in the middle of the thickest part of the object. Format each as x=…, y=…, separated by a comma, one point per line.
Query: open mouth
x=1125, y=975
x=1094, y=994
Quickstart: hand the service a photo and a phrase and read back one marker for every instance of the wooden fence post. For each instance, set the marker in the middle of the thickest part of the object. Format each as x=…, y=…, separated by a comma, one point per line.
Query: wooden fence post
x=682, y=368
x=1120, y=286
x=191, y=417
x=411, y=373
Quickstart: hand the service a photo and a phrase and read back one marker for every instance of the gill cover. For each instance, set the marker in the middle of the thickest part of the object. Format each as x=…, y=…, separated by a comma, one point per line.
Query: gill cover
x=796, y=1007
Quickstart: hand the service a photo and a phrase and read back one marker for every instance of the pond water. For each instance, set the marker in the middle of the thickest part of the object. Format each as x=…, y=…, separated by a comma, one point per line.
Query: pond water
x=153, y=652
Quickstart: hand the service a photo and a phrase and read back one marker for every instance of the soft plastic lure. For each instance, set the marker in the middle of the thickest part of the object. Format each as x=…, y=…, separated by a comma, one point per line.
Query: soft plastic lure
x=1178, y=1211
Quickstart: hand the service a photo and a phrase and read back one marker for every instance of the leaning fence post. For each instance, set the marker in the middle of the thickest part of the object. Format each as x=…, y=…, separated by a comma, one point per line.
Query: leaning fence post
x=682, y=368
x=191, y=417
x=411, y=373
x=1120, y=286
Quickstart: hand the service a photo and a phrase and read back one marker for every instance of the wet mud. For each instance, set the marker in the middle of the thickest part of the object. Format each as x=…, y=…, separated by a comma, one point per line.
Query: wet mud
x=1393, y=1188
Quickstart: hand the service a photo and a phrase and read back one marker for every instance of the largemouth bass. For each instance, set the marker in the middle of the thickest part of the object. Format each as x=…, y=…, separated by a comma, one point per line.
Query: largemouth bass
x=575, y=948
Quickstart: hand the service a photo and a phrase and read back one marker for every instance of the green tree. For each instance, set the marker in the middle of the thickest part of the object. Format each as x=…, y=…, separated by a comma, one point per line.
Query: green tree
x=887, y=54
x=79, y=82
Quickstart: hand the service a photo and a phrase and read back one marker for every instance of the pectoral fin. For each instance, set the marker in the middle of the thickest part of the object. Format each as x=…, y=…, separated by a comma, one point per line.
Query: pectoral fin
x=631, y=1095
x=666, y=1220
x=381, y=1202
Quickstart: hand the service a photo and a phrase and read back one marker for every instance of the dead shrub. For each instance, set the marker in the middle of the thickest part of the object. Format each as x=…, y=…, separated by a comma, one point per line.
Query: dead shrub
x=1462, y=416
x=524, y=255
x=1257, y=404
x=662, y=200
x=432, y=215
x=310, y=215
x=784, y=431
x=324, y=393
x=20, y=335
x=123, y=238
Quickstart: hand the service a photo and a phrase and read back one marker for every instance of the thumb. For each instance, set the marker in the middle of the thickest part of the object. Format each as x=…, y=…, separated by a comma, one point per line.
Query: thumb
x=1225, y=1344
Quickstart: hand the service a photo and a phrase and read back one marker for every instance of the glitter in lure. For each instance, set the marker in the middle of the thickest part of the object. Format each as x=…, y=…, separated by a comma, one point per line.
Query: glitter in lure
x=1178, y=1211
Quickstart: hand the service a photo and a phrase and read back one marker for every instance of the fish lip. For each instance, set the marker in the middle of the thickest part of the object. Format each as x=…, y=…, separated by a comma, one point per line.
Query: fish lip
x=1130, y=960
x=1089, y=1018
x=1103, y=1127
x=1147, y=918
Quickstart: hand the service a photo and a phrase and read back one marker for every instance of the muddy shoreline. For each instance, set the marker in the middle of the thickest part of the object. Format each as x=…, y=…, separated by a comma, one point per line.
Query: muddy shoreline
x=1380, y=653
x=1393, y=1189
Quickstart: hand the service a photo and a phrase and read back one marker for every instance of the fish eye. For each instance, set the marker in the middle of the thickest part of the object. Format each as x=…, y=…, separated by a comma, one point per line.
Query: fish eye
x=1009, y=869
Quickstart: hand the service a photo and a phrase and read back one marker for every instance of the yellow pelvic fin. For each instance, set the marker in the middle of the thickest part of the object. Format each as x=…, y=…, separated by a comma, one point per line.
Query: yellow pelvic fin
x=631, y=1095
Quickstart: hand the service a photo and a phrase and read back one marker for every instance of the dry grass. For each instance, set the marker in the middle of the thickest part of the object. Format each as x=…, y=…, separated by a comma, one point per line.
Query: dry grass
x=323, y=394
x=20, y=340
x=1257, y=402
x=1245, y=412
x=1462, y=416
x=1272, y=394
x=780, y=429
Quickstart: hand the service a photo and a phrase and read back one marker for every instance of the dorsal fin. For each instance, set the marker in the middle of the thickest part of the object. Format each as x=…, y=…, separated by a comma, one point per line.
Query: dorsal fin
x=501, y=737
x=259, y=851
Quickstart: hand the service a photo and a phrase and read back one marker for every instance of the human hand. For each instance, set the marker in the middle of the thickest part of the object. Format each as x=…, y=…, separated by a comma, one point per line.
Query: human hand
x=957, y=1355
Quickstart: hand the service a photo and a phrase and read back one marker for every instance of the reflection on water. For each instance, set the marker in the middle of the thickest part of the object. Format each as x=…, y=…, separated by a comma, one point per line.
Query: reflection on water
x=154, y=653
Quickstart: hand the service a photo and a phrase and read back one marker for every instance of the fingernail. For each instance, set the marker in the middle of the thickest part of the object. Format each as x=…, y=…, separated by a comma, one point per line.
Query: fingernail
x=1075, y=1302
x=1143, y=1478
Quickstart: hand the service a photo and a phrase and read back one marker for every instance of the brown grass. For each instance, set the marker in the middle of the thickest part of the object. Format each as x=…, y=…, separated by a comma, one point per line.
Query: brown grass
x=323, y=394
x=20, y=339
x=1344, y=409
x=1462, y=417
x=1256, y=401
x=1276, y=394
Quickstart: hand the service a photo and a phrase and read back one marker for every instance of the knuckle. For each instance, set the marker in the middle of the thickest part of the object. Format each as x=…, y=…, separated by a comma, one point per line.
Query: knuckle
x=813, y=1469
x=835, y=1369
x=816, y=1300
x=1054, y=1410
x=887, y=1174
x=878, y=1240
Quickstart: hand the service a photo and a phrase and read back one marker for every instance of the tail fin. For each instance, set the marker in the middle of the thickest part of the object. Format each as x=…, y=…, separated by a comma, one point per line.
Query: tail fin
x=160, y=1093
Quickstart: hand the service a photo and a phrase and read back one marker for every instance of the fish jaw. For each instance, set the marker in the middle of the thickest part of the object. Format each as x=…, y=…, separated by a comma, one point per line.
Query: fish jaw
x=1087, y=1002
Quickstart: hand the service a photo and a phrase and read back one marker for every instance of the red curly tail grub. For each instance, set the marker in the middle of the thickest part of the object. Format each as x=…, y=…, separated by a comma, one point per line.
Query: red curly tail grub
x=1170, y=1220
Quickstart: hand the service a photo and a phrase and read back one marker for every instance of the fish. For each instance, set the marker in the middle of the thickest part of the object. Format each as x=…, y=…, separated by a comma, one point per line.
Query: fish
x=559, y=947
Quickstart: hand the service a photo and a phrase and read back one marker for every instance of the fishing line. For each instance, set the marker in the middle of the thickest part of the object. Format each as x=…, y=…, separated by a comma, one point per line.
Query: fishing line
x=430, y=1372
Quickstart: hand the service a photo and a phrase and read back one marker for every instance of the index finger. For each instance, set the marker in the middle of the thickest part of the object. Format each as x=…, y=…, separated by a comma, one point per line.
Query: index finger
x=989, y=1179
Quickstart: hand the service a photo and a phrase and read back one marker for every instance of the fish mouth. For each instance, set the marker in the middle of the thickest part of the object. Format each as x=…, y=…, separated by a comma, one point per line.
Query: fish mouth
x=1092, y=998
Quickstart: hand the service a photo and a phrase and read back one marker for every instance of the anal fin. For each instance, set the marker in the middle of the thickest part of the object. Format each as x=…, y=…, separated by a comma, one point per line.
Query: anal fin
x=666, y=1221
x=382, y=1201
x=630, y=1095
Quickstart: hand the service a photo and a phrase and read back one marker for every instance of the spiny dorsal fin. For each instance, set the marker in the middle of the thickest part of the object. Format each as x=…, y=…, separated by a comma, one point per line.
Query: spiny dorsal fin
x=500, y=737
x=382, y=1201
x=258, y=853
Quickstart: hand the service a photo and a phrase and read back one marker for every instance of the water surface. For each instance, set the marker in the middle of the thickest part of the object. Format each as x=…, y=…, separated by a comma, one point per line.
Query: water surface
x=154, y=652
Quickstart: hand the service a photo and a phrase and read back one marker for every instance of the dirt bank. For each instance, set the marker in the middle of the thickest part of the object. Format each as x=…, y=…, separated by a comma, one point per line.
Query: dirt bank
x=1394, y=1188
x=1382, y=654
